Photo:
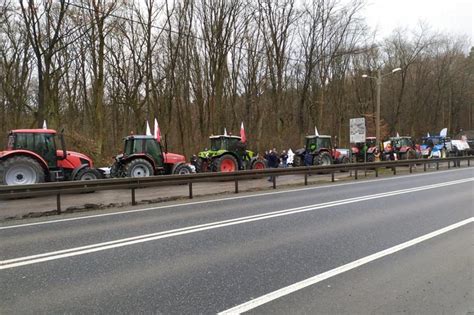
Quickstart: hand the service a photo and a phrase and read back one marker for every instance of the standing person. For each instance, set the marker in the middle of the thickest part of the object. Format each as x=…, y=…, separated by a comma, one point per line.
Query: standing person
x=377, y=155
x=284, y=159
x=272, y=162
x=308, y=158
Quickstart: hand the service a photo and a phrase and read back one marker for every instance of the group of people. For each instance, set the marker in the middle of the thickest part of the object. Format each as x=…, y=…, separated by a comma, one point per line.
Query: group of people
x=274, y=159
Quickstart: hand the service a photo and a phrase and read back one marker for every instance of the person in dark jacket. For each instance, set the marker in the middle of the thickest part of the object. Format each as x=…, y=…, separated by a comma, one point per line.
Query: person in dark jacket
x=272, y=162
x=284, y=159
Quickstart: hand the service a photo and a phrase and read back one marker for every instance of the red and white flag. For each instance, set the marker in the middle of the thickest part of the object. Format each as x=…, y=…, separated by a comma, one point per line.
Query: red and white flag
x=157, y=132
x=243, y=138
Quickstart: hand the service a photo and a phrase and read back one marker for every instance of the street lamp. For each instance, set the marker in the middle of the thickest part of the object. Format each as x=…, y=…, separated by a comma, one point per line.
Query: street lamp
x=377, y=113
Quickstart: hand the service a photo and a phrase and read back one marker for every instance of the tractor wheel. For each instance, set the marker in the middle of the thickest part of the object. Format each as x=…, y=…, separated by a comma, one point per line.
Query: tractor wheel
x=139, y=168
x=258, y=164
x=226, y=163
x=115, y=170
x=323, y=158
x=88, y=174
x=20, y=170
x=202, y=165
x=182, y=169
x=345, y=160
x=297, y=161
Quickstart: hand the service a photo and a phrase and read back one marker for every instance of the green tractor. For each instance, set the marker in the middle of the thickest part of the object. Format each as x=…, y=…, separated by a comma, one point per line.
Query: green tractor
x=227, y=154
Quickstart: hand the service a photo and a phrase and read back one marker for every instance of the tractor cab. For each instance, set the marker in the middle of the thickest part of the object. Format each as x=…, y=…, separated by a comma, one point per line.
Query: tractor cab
x=227, y=143
x=315, y=143
x=40, y=141
x=400, y=142
x=144, y=145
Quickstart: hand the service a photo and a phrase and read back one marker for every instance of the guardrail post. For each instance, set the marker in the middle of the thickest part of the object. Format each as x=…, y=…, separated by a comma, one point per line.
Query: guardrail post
x=394, y=170
x=58, y=203
x=190, y=190
x=134, y=202
x=274, y=182
x=437, y=166
x=306, y=179
x=468, y=162
x=411, y=169
x=424, y=167
x=449, y=165
x=236, y=186
x=332, y=177
x=376, y=172
x=355, y=174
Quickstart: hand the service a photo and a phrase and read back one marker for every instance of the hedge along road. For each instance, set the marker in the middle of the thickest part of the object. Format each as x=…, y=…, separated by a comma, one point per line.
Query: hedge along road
x=11, y=209
x=211, y=256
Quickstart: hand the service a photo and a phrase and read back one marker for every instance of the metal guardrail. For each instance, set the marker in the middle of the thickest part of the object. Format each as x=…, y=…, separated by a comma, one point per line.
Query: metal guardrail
x=61, y=188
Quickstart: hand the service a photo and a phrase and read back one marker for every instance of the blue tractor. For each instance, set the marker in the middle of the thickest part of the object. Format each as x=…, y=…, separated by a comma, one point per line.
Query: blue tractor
x=435, y=146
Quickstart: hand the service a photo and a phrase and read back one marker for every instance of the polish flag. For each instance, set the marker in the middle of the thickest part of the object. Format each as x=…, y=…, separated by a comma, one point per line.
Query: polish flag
x=157, y=132
x=243, y=138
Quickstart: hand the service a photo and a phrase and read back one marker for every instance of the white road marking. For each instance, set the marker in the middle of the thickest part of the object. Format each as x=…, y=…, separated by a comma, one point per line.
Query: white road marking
x=33, y=259
x=125, y=212
x=254, y=303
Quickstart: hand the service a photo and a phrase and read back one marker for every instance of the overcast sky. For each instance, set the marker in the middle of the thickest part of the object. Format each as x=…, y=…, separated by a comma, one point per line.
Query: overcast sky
x=452, y=16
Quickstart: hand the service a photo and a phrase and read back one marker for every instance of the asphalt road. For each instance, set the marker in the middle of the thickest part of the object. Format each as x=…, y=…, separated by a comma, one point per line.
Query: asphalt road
x=210, y=256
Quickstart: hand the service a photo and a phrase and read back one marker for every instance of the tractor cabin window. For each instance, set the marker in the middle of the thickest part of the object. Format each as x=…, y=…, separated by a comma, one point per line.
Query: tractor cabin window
x=215, y=144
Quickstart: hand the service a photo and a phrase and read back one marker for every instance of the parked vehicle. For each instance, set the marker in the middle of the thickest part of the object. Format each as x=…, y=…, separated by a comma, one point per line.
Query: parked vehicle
x=364, y=151
x=400, y=148
x=319, y=150
x=228, y=153
x=32, y=157
x=144, y=156
x=435, y=146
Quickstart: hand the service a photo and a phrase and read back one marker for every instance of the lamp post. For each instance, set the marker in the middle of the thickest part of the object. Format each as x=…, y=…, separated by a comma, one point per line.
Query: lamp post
x=377, y=112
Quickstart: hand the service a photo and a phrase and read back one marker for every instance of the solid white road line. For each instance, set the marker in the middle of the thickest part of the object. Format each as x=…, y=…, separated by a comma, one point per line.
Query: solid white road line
x=33, y=259
x=254, y=303
x=126, y=212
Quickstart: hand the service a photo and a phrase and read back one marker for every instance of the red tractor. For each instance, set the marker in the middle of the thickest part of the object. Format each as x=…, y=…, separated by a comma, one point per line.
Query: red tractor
x=319, y=151
x=32, y=157
x=364, y=151
x=400, y=148
x=144, y=156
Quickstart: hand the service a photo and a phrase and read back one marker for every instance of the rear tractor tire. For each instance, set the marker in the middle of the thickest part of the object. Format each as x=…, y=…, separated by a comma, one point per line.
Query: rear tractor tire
x=202, y=165
x=226, y=163
x=139, y=168
x=323, y=158
x=297, y=161
x=21, y=170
